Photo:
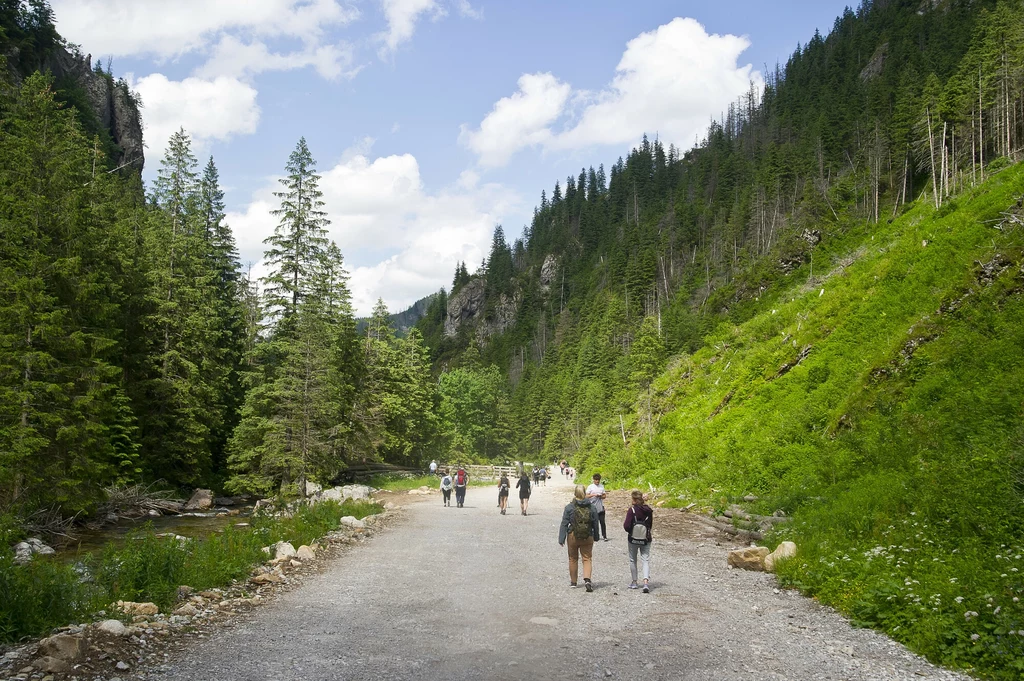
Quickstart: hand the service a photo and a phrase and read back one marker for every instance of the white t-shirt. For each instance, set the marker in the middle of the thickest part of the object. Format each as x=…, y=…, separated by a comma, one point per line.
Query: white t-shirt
x=597, y=503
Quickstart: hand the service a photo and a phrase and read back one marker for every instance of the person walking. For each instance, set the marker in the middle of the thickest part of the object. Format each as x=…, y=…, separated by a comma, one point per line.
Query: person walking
x=524, y=492
x=536, y=475
x=638, y=523
x=433, y=467
x=578, y=529
x=446, y=489
x=596, y=493
x=503, y=488
x=544, y=475
x=461, y=480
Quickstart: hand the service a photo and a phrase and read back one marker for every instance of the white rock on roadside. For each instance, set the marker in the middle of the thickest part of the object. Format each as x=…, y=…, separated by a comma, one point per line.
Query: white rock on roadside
x=783, y=551
x=132, y=608
x=353, y=522
x=304, y=553
x=750, y=558
x=113, y=627
x=284, y=550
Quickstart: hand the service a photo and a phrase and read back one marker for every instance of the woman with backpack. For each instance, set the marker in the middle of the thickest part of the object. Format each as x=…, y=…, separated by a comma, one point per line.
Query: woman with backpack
x=638, y=524
x=578, y=528
x=524, y=491
x=503, y=488
x=461, y=480
x=446, y=489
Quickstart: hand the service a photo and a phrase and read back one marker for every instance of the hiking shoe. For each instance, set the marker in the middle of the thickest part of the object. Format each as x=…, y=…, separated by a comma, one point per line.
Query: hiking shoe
x=632, y=585
x=589, y=586
x=572, y=585
x=646, y=589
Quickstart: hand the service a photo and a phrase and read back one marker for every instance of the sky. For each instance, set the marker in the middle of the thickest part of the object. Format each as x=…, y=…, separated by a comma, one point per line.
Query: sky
x=432, y=121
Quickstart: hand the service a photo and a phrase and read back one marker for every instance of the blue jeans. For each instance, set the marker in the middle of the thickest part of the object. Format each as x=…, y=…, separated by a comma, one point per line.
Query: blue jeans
x=645, y=557
x=460, y=495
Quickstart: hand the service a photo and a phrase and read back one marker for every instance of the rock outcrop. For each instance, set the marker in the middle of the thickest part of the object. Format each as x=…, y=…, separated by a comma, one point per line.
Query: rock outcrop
x=23, y=551
x=547, y=272
x=111, y=101
x=468, y=305
x=201, y=500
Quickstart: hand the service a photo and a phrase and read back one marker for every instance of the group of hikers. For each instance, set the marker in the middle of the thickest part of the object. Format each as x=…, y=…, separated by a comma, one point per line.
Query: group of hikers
x=583, y=521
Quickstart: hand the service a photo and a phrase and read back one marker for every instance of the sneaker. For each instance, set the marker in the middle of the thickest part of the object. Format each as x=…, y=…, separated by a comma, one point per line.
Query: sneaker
x=589, y=586
x=607, y=539
x=632, y=585
x=646, y=589
x=572, y=585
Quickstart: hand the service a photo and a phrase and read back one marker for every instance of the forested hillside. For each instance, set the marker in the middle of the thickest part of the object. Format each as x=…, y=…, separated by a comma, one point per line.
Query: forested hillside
x=819, y=305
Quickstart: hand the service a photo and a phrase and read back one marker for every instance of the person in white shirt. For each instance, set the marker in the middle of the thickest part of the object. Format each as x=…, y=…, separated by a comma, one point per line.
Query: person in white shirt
x=596, y=494
x=433, y=467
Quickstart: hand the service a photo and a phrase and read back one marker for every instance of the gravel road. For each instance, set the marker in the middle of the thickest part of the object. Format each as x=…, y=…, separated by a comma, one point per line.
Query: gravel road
x=451, y=593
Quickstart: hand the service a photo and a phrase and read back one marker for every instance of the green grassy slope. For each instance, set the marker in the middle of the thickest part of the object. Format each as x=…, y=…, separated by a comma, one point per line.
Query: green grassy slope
x=897, y=441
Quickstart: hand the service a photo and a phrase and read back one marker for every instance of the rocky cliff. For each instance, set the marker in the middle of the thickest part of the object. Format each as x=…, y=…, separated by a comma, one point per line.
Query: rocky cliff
x=468, y=305
x=112, y=109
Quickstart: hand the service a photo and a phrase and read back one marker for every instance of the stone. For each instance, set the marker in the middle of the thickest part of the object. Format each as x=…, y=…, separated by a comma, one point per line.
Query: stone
x=121, y=667
x=184, y=592
x=751, y=558
x=548, y=271
x=295, y=563
x=312, y=488
x=305, y=553
x=353, y=522
x=23, y=551
x=52, y=665
x=113, y=627
x=266, y=578
x=138, y=609
x=783, y=551
x=356, y=492
x=187, y=610
x=284, y=550
x=64, y=647
x=201, y=500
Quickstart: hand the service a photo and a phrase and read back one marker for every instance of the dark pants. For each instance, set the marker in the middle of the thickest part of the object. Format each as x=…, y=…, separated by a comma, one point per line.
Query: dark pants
x=460, y=495
x=447, y=493
x=604, y=530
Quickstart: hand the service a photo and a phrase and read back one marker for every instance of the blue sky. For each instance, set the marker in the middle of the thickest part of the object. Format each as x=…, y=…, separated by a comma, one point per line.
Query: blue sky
x=431, y=120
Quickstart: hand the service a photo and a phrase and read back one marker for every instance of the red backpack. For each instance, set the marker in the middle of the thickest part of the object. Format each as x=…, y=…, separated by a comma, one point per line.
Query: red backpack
x=460, y=479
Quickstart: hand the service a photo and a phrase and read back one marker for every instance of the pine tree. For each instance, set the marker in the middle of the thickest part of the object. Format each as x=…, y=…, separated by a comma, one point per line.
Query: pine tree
x=297, y=246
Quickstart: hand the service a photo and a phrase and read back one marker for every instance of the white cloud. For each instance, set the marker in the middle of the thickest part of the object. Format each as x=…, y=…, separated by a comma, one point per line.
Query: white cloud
x=669, y=81
x=400, y=240
x=167, y=29
x=233, y=57
x=402, y=16
x=522, y=120
x=214, y=109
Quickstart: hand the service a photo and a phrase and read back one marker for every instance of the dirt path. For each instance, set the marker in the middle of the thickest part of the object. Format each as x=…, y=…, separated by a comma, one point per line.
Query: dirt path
x=467, y=593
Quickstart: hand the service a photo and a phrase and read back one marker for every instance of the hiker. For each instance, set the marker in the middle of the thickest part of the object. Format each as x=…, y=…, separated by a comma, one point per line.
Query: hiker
x=461, y=480
x=503, y=488
x=544, y=475
x=578, y=528
x=433, y=467
x=638, y=523
x=446, y=489
x=597, y=495
x=536, y=475
x=524, y=492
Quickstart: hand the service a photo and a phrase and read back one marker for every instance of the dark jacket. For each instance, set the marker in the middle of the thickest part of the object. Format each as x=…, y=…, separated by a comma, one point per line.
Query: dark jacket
x=634, y=515
x=567, y=516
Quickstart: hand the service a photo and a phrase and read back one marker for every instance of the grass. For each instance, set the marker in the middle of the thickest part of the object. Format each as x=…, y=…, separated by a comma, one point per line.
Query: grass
x=395, y=483
x=49, y=592
x=896, y=443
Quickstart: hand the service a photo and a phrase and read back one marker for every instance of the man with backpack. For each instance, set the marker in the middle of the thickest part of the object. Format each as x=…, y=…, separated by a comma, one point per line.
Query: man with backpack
x=461, y=480
x=446, y=489
x=578, y=528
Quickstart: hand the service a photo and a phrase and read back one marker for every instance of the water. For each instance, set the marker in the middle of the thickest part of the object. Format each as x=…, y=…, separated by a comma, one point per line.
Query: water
x=194, y=525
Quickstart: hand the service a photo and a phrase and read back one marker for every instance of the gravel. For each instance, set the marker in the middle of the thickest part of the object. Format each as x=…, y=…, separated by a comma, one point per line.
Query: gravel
x=467, y=593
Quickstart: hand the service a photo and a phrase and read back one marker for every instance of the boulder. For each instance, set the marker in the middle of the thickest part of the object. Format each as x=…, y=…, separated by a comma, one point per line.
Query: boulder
x=23, y=551
x=304, y=553
x=201, y=500
x=138, y=609
x=187, y=610
x=113, y=627
x=312, y=488
x=783, y=551
x=51, y=665
x=751, y=558
x=284, y=550
x=356, y=492
x=63, y=647
x=353, y=522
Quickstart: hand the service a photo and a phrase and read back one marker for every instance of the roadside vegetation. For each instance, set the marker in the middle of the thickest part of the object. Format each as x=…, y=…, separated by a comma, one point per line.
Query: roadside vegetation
x=54, y=591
